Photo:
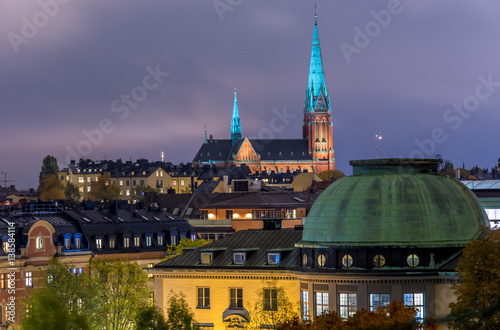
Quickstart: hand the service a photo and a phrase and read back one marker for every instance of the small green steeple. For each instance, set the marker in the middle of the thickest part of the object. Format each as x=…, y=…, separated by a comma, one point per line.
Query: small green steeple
x=235, y=122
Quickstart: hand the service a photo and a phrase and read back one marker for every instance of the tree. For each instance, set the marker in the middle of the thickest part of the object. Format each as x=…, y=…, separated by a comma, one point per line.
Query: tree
x=150, y=318
x=331, y=175
x=393, y=316
x=111, y=295
x=119, y=291
x=72, y=192
x=138, y=191
x=179, y=315
x=51, y=188
x=104, y=189
x=449, y=169
x=478, y=292
x=49, y=166
x=272, y=307
x=175, y=250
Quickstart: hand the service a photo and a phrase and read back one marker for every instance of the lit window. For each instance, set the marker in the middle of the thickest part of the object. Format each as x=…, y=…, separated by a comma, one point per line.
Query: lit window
x=206, y=258
x=98, y=243
x=412, y=260
x=67, y=243
x=157, y=173
x=39, y=243
x=88, y=189
x=126, y=242
x=321, y=260
x=416, y=300
x=347, y=261
x=174, y=183
x=80, y=179
x=182, y=182
x=5, y=246
x=29, y=279
x=379, y=300
x=160, y=240
x=148, y=240
x=379, y=261
x=239, y=258
x=236, y=298
x=78, y=241
x=273, y=258
x=173, y=240
x=112, y=243
x=161, y=173
x=270, y=300
x=121, y=182
x=88, y=179
x=127, y=193
x=321, y=300
x=304, y=259
x=137, y=241
x=348, y=303
x=304, y=303
x=2, y=281
x=80, y=189
x=203, y=298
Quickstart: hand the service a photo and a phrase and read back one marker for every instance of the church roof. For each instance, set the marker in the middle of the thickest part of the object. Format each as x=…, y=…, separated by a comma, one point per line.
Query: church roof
x=221, y=150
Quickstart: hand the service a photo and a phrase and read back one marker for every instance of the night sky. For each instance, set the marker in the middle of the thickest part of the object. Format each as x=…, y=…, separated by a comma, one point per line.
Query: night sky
x=416, y=71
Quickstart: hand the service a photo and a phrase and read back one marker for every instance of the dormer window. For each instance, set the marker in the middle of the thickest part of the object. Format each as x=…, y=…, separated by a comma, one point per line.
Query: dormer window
x=78, y=241
x=273, y=258
x=67, y=243
x=206, y=257
x=39, y=242
x=239, y=258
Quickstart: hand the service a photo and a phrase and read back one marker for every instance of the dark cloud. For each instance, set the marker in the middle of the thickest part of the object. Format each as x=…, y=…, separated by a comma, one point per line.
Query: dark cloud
x=65, y=79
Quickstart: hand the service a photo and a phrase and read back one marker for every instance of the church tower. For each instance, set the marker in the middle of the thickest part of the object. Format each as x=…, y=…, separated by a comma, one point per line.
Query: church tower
x=235, y=122
x=318, y=125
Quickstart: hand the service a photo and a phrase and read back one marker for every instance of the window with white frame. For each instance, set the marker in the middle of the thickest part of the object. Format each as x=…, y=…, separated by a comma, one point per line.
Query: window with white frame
x=160, y=240
x=239, y=258
x=78, y=242
x=347, y=304
x=379, y=300
x=273, y=258
x=206, y=257
x=29, y=279
x=126, y=242
x=112, y=242
x=67, y=242
x=304, y=305
x=148, y=240
x=98, y=243
x=321, y=302
x=416, y=300
x=137, y=241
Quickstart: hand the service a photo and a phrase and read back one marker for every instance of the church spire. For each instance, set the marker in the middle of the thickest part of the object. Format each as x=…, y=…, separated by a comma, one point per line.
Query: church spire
x=235, y=122
x=316, y=82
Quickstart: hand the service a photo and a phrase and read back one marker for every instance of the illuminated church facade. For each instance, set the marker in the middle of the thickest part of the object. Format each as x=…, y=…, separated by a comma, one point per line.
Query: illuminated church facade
x=313, y=153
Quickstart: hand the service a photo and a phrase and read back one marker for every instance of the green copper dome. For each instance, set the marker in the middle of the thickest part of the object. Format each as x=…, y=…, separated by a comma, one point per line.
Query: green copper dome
x=395, y=202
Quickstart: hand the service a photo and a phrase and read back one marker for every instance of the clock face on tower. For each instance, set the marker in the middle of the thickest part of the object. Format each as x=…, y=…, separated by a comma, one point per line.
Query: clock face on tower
x=320, y=106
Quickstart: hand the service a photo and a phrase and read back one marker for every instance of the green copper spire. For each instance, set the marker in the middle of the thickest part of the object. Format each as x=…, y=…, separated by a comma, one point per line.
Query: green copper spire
x=316, y=83
x=235, y=122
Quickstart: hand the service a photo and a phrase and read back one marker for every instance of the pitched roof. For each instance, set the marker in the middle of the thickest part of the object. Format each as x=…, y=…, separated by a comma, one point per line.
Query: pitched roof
x=214, y=150
x=257, y=243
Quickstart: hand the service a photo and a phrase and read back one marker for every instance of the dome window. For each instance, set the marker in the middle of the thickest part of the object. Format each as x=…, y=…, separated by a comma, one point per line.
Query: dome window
x=379, y=261
x=413, y=260
x=347, y=260
x=304, y=259
x=321, y=260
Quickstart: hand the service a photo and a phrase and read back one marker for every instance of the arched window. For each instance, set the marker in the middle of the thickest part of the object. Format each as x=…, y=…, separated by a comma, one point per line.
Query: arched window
x=39, y=242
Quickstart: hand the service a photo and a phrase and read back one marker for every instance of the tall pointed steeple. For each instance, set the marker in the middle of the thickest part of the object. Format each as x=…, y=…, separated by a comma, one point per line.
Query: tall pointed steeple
x=318, y=125
x=235, y=122
x=316, y=83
